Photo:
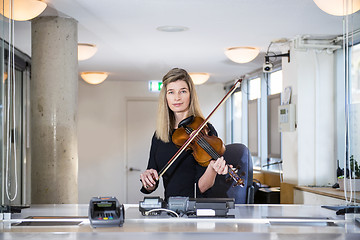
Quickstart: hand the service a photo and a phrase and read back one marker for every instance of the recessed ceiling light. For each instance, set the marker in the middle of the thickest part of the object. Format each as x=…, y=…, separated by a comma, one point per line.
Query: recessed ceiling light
x=172, y=28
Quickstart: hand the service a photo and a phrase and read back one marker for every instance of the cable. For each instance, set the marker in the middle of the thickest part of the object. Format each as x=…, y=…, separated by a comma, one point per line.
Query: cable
x=147, y=213
x=11, y=100
x=267, y=51
x=14, y=107
x=346, y=55
x=351, y=42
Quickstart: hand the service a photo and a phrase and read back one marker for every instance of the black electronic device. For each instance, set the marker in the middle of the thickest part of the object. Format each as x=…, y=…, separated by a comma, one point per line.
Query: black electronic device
x=106, y=212
x=201, y=207
x=181, y=205
x=151, y=204
x=213, y=207
x=12, y=208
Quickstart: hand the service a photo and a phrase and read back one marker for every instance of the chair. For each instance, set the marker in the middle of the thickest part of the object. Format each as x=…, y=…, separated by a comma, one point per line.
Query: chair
x=239, y=156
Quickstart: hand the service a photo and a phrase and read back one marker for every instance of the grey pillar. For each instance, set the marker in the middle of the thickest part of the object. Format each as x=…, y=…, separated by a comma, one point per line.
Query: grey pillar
x=54, y=91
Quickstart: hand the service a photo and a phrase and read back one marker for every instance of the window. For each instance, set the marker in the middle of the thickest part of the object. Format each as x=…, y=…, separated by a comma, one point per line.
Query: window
x=254, y=119
x=354, y=108
x=274, y=137
x=355, y=75
x=236, y=117
x=275, y=82
x=254, y=89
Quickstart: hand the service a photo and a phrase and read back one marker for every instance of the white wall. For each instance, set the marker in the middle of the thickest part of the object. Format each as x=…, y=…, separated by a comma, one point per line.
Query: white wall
x=209, y=96
x=309, y=152
x=101, y=132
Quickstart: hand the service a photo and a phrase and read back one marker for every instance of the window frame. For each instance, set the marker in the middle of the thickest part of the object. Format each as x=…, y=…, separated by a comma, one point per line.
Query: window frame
x=261, y=159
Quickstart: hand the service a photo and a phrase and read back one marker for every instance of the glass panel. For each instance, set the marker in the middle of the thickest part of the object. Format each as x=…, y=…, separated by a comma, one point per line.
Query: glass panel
x=274, y=140
x=275, y=82
x=355, y=74
x=254, y=89
x=12, y=140
x=14, y=66
x=253, y=141
x=14, y=95
x=274, y=137
x=237, y=117
x=355, y=108
x=2, y=179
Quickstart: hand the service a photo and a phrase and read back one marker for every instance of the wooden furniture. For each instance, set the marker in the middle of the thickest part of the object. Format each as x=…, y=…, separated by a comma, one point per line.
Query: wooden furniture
x=322, y=195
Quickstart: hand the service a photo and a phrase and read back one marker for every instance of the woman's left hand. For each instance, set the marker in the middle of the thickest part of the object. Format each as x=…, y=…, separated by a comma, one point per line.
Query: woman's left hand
x=219, y=166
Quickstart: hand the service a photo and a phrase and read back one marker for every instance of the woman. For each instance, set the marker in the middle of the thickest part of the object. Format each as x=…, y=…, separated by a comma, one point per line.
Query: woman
x=177, y=101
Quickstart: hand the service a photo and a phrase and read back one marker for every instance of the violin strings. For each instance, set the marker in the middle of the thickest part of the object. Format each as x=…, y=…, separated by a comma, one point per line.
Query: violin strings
x=204, y=144
x=210, y=150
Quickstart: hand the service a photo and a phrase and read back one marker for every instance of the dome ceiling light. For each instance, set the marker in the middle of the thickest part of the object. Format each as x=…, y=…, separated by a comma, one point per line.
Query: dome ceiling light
x=86, y=51
x=338, y=7
x=199, y=78
x=242, y=54
x=94, y=77
x=22, y=10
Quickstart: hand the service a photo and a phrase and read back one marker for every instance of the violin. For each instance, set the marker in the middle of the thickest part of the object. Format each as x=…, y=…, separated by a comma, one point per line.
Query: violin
x=204, y=147
x=193, y=135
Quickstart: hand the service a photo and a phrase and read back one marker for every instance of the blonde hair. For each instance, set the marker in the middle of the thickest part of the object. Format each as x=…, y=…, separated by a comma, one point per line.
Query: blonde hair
x=165, y=117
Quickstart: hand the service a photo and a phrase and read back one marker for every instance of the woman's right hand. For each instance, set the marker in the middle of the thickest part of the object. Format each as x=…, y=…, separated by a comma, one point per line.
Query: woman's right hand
x=149, y=178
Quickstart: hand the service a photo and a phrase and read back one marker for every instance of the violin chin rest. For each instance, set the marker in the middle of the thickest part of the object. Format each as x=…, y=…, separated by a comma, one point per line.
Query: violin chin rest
x=186, y=121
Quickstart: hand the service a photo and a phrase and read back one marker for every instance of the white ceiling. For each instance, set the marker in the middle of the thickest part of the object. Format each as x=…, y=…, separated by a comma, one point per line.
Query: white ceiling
x=130, y=47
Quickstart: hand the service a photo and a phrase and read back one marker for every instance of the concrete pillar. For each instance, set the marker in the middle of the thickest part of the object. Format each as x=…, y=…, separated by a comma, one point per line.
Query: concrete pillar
x=54, y=91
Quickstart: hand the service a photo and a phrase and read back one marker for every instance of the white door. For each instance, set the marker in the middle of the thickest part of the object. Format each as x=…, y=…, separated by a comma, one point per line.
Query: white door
x=140, y=127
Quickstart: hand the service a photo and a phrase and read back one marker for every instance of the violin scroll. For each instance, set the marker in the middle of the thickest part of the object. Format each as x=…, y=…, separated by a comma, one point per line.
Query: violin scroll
x=238, y=180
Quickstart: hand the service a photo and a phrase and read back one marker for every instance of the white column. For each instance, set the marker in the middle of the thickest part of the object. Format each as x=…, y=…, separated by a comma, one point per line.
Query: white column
x=309, y=152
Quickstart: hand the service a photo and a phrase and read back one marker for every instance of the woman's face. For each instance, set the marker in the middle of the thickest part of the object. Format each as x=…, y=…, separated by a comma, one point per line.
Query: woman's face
x=178, y=96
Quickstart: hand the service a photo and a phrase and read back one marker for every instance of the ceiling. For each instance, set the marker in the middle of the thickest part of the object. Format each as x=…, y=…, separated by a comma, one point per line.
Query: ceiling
x=131, y=48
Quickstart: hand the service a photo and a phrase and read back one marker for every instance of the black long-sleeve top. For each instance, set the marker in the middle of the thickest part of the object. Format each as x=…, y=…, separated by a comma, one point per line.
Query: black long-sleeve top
x=180, y=178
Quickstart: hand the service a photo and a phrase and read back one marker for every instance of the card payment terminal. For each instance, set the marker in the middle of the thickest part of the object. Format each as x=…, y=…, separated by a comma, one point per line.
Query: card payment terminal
x=106, y=212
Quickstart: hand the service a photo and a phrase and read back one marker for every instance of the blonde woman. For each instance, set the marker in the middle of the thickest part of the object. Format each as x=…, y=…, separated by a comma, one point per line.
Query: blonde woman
x=178, y=101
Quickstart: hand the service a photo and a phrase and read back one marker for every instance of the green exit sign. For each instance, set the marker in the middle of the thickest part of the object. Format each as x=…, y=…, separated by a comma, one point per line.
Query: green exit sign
x=155, y=86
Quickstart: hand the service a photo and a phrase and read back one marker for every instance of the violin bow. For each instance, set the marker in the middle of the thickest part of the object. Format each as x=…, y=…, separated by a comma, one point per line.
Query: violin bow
x=196, y=132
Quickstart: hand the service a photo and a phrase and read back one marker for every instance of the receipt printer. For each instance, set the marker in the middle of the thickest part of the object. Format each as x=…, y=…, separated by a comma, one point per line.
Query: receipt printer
x=106, y=212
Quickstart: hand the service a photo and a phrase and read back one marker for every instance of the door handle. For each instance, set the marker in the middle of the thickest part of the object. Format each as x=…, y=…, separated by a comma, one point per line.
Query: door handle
x=131, y=169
